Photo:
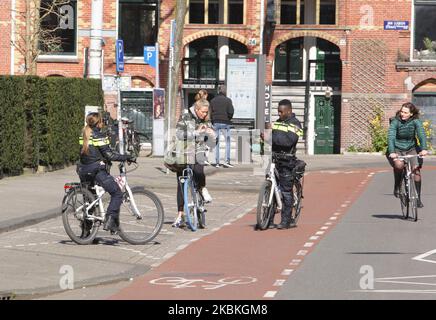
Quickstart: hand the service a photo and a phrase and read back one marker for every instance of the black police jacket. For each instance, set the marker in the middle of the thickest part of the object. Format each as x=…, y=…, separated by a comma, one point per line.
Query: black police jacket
x=99, y=149
x=285, y=135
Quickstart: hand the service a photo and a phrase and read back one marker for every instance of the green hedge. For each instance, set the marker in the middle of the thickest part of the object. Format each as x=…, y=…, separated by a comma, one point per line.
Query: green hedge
x=41, y=120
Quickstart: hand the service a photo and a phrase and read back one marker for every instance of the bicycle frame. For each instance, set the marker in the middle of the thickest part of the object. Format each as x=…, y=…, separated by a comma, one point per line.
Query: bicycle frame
x=100, y=192
x=272, y=176
x=409, y=172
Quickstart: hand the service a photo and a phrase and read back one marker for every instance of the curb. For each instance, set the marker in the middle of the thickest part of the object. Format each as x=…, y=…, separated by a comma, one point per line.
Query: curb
x=13, y=224
x=35, y=293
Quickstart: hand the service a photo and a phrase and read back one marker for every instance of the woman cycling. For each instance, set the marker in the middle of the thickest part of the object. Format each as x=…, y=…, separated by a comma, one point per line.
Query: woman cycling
x=95, y=154
x=404, y=131
x=195, y=130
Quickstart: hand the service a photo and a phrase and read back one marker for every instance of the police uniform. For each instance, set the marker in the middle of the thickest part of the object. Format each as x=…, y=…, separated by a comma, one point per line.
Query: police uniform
x=93, y=168
x=285, y=135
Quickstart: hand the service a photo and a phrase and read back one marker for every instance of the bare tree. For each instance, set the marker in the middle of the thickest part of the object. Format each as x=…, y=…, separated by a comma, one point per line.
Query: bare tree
x=173, y=84
x=33, y=35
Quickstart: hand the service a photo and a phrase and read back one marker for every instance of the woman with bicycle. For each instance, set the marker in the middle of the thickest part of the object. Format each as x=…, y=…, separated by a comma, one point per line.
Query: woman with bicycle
x=195, y=132
x=95, y=154
x=405, y=132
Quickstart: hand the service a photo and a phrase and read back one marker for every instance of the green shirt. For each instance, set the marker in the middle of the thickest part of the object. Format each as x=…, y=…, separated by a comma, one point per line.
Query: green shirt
x=403, y=135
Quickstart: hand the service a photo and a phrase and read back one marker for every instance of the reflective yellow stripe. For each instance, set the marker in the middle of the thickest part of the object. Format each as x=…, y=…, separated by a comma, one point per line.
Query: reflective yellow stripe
x=287, y=128
x=95, y=142
x=99, y=142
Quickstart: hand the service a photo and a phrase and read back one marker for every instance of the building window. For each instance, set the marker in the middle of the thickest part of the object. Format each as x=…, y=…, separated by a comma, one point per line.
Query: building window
x=288, y=63
x=307, y=14
x=288, y=12
x=196, y=11
x=216, y=12
x=327, y=12
x=137, y=25
x=424, y=29
x=58, y=28
x=236, y=12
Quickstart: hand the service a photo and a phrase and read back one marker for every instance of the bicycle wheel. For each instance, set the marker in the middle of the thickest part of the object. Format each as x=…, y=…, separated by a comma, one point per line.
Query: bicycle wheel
x=140, y=230
x=136, y=144
x=264, y=212
x=413, y=202
x=80, y=229
x=297, y=191
x=404, y=199
x=190, y=204
x=201, y=212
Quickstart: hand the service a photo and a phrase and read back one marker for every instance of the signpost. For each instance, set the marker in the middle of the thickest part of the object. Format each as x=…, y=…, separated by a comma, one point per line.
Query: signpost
x=119, y=54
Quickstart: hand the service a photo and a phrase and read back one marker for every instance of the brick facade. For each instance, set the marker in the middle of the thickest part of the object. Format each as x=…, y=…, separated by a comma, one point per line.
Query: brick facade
x=375, y=67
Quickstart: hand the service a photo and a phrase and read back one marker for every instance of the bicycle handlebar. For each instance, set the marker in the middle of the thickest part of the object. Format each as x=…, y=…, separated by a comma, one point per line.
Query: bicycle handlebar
x=409, y=156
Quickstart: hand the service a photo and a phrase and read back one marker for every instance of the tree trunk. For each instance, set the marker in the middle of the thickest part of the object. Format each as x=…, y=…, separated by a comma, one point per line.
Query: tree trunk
x=173, y=84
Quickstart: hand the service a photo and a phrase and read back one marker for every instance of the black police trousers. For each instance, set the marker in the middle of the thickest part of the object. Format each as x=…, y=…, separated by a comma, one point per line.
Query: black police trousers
x=97, y=172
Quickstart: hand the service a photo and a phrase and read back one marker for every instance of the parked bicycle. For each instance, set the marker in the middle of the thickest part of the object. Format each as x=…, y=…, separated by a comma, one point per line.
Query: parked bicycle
x=83, y=211
x=132, y=142
x=195, y=211
x=408, y=194
x=270, y=199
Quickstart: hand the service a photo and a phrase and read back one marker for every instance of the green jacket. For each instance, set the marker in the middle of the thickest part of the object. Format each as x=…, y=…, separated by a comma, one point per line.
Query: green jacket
x=403, y=135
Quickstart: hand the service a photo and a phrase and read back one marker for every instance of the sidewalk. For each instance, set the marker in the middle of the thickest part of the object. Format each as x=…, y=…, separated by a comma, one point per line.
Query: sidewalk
x=32, y=198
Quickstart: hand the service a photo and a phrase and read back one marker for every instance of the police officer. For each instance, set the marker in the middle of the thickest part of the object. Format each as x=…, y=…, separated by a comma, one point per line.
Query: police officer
x=95, y=153
x=285, y=134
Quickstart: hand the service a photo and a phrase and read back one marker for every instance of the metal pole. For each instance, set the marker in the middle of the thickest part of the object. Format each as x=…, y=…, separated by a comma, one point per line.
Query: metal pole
x=157, y=66
x=120, y=123
x=96, y=39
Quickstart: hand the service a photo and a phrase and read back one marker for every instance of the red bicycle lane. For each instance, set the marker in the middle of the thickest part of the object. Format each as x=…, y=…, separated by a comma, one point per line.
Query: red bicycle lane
x=237, y=262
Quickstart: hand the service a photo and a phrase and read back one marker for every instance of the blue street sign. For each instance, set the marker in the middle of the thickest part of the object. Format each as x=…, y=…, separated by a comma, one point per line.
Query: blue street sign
x=396, y=25
x=119, y=54
x=150, y=55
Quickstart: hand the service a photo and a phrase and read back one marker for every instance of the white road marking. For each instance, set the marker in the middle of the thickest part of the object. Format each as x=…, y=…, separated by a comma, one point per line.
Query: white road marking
x=308, y=244
x=302, y=252
x=279, y=283
x=324, y=228
x=424, y=255
x=333, y=218
x=270, y=294
x=314, y=238
x=287, y=272
x=320, y=232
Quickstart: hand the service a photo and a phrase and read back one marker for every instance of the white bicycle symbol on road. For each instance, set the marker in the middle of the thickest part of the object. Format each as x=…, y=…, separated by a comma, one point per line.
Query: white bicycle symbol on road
x=181, y=283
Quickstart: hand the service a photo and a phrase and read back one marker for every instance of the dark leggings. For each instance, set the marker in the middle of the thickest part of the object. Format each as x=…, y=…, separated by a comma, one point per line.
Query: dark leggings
x=104, y=179
x=199, y=178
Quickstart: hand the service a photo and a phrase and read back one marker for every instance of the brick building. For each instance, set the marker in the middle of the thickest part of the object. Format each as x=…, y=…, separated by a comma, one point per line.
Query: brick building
x=339, y=61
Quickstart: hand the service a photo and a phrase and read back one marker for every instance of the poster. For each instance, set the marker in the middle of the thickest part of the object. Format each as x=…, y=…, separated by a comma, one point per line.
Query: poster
x=242, y=86
x=159, y=103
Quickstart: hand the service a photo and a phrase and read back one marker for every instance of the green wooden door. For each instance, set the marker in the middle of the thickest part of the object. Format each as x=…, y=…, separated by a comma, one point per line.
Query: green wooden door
x=327, y=124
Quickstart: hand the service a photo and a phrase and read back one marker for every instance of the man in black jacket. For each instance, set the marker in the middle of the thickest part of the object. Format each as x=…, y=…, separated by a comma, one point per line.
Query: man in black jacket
x=221, y=115
x=285, y=134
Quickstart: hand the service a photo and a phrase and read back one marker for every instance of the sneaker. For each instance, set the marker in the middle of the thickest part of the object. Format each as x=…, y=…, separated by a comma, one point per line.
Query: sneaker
x=217, y=165
x=420, y=204
x=178, y=223
x=206, y=196
x=227, y=164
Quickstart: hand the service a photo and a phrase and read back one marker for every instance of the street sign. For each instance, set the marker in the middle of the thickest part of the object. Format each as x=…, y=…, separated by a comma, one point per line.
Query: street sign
x=150, y=55
x=119, y=54
x=396, y=25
